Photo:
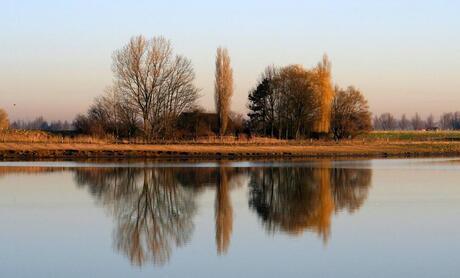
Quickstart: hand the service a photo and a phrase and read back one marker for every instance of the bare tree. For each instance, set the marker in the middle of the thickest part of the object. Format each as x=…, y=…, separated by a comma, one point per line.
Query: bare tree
x=350, y=113
x=158, y=84
x=386, y=121
x=404, y=123
x=223, y=88
x=299, y=105
x=417, y=122
x=447, y=121
x=376, y=124
x=430, y=122
x=4, y=122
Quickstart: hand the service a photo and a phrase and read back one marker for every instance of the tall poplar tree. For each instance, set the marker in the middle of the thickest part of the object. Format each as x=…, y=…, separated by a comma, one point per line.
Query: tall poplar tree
x=223, y=88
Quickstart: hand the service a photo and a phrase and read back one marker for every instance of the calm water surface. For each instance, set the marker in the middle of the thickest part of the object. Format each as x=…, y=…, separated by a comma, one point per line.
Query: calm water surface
x=364, y=218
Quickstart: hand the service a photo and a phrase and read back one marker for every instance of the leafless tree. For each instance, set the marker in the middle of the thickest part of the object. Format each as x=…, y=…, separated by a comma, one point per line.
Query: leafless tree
x=4, y=122
x=430, y=122
x=158, y=84
x=350, y=113
x=223, y=88
x=404, y=123
x=386, y=121
x=110, y=114
x=417, y=122
x=300, y=104
x=447, y=121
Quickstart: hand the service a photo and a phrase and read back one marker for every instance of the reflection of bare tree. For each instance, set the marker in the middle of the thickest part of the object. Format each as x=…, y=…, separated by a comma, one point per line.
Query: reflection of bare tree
x=293, y=200
x=109, y=185
x=223, y=211
x=350, y=188
x=154, y=207
x=153, y=211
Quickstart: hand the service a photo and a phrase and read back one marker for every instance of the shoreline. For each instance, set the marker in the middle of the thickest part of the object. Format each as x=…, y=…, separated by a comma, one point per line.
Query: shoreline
x=351, y=149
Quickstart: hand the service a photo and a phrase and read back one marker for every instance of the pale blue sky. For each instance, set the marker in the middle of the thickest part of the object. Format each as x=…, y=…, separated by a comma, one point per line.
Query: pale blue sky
x=55, y=56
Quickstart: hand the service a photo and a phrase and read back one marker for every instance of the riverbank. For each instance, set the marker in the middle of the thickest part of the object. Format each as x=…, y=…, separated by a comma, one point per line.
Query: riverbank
x=18, y=151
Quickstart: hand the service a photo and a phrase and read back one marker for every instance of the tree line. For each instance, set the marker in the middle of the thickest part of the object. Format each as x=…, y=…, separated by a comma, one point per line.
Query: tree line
x=153, y=89
x=153, y=96
x=40, y=123
x=447, y=121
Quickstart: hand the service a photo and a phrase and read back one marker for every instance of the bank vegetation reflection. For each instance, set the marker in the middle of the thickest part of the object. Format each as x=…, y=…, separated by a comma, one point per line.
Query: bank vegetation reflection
x=154, y=207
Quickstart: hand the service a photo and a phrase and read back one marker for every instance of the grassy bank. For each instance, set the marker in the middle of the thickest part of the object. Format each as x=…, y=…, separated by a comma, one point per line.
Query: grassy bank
x=31, y=145
x=324, y=149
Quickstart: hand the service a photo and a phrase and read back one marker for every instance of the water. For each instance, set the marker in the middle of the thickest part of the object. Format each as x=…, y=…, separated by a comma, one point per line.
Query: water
x=363, y=218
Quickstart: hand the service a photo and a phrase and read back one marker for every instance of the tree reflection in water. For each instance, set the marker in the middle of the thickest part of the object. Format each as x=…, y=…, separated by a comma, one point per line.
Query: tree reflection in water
x=223, y=211
x=293, y=200
x=154, y=207
x=153, y=211
x=223, y=179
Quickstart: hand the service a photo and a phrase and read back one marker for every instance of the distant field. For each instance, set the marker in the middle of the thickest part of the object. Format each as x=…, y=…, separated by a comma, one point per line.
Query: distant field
x=413, y=135
x=31, y=136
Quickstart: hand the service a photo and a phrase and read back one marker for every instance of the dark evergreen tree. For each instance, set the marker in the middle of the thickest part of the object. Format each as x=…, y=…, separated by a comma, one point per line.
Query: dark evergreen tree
x=258, y=115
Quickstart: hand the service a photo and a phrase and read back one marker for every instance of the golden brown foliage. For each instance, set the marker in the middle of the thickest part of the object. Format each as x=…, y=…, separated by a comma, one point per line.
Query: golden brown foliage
x=4, y=122
x=224, y=212
x=294, y=200
x=325, y=94
x=223, y=88
x=292, y=102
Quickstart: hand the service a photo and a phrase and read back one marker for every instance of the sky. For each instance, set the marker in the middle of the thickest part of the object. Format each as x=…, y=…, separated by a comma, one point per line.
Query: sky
x=404, y=55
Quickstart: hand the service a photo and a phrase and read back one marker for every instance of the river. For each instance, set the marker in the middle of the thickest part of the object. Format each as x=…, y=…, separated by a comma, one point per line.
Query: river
x=318, y=218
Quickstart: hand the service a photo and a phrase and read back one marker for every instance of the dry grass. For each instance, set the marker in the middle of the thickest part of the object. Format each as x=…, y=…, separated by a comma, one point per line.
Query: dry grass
x=36, y=136
x=186, y=150
x=19, y=144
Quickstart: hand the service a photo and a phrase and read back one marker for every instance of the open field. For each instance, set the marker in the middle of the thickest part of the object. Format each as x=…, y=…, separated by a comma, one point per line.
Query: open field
x=446, y=135
x=31, y=136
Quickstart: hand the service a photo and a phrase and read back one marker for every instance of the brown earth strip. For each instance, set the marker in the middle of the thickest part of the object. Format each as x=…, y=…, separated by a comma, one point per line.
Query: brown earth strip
x=326, y=149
